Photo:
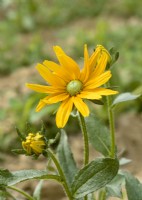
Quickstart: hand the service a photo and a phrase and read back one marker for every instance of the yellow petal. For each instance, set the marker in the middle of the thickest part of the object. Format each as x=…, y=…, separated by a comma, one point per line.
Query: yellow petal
x=49, y=77
x=64, y=74
x=41, y=88
x=58, y=70
x=51, y=65
x=81, y=106
x=104, y=91
x=63, y=112
x=37, y=149
x=56, y=98
x=41, y=104
x=97, y=81
x=67, y=62
x=89, y=95
x=96, y=58
x=101, y=65
x=85, y=71
x=93, y=59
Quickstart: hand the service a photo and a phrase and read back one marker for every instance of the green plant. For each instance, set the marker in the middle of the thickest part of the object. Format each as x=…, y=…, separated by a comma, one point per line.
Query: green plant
x=101, y=175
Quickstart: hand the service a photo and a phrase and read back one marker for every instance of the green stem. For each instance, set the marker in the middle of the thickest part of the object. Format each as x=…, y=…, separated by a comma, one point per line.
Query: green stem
x=54, y=177
x=21, y=192
x=86, y=141
x=10, y=195
x=85, y=137
x=102, y=195
x=111, y=124
x=65, y=185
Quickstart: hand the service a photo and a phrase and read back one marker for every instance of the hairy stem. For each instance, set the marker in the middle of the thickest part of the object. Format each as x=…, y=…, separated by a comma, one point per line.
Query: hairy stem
x=86, y=141
x=111, y=124
x=64, y=182
x=85, y=137
x=102, y=195
x=29, y=197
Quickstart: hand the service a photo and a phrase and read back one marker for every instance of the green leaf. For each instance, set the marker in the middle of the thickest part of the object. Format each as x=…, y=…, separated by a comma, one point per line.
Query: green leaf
x=114, y=57
x=94, y=176
x=20, y=134
x=98, y=134
x=114, y=188
x=133, y=187
x=37, y=191
x=66, y=158
x=3, y=195
x=18, y=151
x=98, y=102
x=8, y=178
x=124, y=161
x=124, y=97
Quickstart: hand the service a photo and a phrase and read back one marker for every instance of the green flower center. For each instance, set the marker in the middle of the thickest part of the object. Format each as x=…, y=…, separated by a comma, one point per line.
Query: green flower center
x=74, y=87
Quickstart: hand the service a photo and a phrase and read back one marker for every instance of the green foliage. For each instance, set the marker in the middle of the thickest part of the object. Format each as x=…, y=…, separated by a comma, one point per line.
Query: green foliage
x=3, y=194
x=27, y=30
x=37, y=191
x=114, y=188
x=66, y=158
x=94, y=176
x=8, y=178
x=133, y=187
x=98, y=134
x=114, y=56
x=124, y=97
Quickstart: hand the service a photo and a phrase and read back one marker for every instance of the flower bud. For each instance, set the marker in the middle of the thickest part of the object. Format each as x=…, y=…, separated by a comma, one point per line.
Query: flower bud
x=34, y=144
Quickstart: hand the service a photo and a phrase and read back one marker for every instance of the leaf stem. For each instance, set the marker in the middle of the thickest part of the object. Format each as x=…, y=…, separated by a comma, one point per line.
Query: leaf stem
x=29, y=197
x=102, y=195
x=85, y=137
x=111, y=124
x=10, y=195
x=86, y=141
x=64, y=182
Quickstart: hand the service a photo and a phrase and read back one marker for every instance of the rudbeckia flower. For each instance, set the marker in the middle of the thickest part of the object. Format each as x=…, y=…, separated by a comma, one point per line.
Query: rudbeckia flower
x=34, y=144
x=70, y=85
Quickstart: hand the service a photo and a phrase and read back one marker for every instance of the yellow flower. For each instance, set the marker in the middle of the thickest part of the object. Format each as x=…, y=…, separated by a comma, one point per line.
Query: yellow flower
x=69, y=84
x=34, y=144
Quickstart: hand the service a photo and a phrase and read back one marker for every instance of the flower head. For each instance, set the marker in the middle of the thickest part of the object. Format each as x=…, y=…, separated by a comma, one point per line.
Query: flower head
x=70, y=85
x=34, y=144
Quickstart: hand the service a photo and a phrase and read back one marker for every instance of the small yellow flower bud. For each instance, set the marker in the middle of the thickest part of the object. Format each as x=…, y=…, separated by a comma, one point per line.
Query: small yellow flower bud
x=103, y=51
x=34, y=144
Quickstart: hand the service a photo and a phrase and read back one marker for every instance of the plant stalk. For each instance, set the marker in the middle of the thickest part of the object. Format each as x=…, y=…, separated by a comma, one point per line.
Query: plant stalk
x=64, y=183
x=102, y=195
x=85, y=138
x=29, y=197
x=86, y=141
x=111, y=125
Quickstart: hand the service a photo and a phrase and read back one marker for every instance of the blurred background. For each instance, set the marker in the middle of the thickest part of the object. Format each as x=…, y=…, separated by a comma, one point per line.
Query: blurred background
x=29, y=29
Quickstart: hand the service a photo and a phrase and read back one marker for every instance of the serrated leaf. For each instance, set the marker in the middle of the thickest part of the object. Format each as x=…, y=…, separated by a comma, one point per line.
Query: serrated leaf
x=124, y=97
x=133, y=187
x=98, y=134
x=114, y=188
x=94, y=176
x=66, y=159
x=37, y=192
x=8, y=178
